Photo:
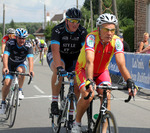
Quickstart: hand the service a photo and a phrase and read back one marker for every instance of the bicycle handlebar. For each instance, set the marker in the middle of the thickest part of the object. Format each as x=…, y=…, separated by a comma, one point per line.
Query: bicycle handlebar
x=110, y=88
x=18, y=73
x=69, y=75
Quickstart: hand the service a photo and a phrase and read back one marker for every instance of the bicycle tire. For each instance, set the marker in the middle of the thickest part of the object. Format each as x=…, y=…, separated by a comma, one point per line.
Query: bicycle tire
x=112, y=125
x=68, y=129
x=42, y=59
x=13, y=107
x=56, y=125
x=8, y=105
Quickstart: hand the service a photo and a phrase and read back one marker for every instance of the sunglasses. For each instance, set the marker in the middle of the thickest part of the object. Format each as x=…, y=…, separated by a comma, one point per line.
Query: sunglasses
x=107, y=30
x=11, y=35
x=73, y=21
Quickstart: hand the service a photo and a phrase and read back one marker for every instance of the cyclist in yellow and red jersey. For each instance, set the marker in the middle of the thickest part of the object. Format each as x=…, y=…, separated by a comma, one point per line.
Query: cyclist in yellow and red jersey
x=92, y=64
x=10, y=35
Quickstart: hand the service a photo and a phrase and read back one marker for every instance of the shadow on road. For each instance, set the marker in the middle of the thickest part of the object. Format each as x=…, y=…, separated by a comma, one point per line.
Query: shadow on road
x=49, y=130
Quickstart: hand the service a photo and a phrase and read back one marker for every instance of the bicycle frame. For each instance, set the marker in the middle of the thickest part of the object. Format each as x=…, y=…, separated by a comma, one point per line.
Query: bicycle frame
x=103, y=109
x=65, y=104
x=12, y=100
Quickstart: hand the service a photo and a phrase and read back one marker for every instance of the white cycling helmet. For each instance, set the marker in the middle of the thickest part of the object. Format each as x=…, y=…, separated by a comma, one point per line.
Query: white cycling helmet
x=10, y=31
x=106, y=18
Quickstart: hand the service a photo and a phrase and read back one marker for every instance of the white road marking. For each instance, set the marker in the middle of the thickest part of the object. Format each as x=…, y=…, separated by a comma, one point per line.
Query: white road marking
x=38, y=89
x=36, y=59
x=38, y=96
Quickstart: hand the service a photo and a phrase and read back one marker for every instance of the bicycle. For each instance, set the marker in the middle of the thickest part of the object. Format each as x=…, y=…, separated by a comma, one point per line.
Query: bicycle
x=12, y=99
x=65, y=106
x=42, y=56
x=104, y=115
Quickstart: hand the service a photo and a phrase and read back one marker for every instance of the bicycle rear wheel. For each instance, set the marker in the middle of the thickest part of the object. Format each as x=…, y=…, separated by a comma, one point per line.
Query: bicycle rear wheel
x=13, y=107
x=108, y=120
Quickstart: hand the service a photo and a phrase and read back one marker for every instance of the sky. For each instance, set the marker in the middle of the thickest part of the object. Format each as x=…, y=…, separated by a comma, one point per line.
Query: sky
x=33, y=10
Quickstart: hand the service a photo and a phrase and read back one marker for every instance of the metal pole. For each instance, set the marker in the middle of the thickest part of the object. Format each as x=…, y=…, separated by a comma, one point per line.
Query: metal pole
x=100, y=6
x=77, y=4
x=91, y=15
x=115, y=13
x=44, y=16
x=3, y=19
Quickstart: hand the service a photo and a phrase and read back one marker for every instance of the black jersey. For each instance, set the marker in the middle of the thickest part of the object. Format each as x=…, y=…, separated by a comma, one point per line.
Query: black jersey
x=18, y=54
x=70, y=43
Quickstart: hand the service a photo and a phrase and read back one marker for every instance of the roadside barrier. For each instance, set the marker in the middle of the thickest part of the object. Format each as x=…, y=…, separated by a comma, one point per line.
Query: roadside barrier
x=138, y=66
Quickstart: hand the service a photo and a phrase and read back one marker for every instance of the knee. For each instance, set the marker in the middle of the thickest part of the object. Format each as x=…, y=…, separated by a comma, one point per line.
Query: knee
x=87, y=101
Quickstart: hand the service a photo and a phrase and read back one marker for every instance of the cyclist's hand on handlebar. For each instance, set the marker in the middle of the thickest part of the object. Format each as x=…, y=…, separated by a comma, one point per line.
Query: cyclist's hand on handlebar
x=61, y=71
x=90, y=84
x=5, y=71
x=132, y=88
x=31, y=73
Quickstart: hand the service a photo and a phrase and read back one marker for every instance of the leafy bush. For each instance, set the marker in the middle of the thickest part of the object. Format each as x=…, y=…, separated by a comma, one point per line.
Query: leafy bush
x=128, y=33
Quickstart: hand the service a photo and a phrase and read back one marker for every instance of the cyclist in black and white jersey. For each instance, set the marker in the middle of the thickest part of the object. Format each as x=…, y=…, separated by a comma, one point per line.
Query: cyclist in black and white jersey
x=15, y=54
x=66, y=41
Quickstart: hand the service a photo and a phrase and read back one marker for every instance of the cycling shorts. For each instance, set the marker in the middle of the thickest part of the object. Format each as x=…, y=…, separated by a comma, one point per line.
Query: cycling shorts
x=69, y=64
x=102, y=78
x=14, y=68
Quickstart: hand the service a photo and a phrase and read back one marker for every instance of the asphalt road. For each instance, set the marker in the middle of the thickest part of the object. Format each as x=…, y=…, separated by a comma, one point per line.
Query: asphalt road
x=33, y=116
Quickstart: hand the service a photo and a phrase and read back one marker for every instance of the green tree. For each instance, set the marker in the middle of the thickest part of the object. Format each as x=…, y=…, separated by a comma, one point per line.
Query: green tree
x=12, y=24
x=48, y=31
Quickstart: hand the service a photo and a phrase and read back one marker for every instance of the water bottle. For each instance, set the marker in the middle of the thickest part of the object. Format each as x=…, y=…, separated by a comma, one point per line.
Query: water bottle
x=95, y=116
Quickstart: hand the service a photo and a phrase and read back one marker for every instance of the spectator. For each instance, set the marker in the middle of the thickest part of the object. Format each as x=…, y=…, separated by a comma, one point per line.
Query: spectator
x=144, y=44
x=126, y=45
x=146, y=50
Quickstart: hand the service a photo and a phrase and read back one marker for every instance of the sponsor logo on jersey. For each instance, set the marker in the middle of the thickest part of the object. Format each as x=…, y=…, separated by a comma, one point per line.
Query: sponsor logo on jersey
x=4, y=40
x=119, y=45
x=91, y=40
x=65, y=38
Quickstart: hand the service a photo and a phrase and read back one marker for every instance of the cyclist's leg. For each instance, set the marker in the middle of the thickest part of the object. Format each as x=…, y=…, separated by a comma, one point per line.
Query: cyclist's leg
x=45, y=50
x=104, y=78
x=55, y=88
x=40, y=53
x=22, y=69
x=82, y=104
x=7, y=82
x=5, y=91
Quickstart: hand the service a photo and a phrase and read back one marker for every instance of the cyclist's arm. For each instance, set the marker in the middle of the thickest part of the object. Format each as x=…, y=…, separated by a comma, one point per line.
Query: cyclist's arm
x=89, y=64
x=5, y=62
x=120, y=60
x=30, y=60
x=56, y=54
x=3, y=48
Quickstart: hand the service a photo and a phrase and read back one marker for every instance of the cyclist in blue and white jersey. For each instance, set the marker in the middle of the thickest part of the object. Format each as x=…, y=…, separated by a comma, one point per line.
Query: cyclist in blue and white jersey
x=15, y=54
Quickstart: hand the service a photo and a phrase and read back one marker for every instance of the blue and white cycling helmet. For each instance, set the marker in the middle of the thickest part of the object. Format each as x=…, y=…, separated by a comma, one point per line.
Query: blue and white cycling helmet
x=106, y=18
x=21, y=32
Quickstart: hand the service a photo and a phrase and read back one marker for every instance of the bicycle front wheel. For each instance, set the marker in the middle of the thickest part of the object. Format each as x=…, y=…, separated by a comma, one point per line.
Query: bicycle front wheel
x=107, y=124
x=13, y=106
x=56, y=123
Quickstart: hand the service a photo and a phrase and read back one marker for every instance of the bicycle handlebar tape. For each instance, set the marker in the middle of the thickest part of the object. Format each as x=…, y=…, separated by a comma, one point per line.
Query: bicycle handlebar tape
x=61, y=71
x=88, y=83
